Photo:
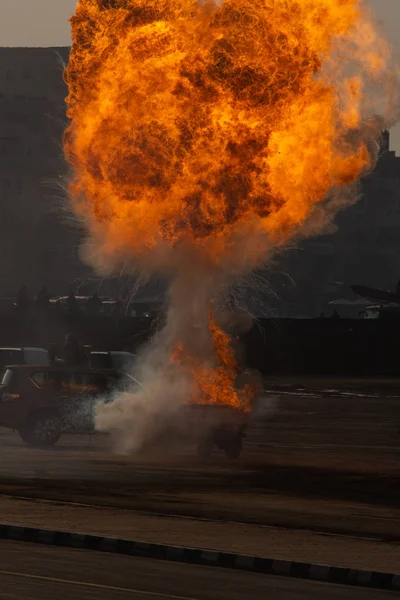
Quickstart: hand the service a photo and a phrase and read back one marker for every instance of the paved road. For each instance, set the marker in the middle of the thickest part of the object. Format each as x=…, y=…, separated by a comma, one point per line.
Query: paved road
x=33, y=572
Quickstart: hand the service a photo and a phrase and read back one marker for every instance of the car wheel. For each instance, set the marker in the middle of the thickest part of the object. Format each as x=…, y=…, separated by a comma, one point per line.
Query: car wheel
x=233, y=450
x=43, y=429
x=206, y=445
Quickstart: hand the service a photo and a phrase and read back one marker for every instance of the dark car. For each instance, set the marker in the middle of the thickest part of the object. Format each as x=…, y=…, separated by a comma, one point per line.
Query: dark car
x=23, y=356
x=209, y=426
x=218, y=426
x=43, y=402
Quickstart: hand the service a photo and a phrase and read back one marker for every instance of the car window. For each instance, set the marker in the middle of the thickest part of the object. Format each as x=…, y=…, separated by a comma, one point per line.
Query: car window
x=88, y=383
x=36, y=357
x=11, y=357
x=7, y=377
x=51, y=379
x=39, y=378
x=58, y=380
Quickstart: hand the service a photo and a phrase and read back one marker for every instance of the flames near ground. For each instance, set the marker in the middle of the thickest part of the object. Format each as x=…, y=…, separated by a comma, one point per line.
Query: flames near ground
x=206, y=134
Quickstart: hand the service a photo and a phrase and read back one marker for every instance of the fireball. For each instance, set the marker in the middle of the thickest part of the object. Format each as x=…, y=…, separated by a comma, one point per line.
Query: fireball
x=213, y=130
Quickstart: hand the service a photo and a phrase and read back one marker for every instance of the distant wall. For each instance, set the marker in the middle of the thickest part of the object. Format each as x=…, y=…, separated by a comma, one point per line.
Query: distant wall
x=286, y=346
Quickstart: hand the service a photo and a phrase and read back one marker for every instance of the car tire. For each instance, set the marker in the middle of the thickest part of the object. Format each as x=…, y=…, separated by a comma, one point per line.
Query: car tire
x=42, y=430
x=206, y=445
x=233, y=450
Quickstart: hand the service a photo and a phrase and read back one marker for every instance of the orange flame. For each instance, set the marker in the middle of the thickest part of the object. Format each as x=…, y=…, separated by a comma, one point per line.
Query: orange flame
x=215, y=384
x=189, y=118
x=194, y=121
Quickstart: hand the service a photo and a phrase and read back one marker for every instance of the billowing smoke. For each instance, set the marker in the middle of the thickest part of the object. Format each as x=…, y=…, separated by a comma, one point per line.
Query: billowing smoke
x=204, y=137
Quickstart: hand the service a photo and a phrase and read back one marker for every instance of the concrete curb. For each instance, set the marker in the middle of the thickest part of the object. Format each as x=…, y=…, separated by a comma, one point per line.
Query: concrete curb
x=268, y=566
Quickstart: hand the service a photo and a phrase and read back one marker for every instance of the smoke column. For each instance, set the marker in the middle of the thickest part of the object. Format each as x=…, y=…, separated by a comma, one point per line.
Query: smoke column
x=205, y=136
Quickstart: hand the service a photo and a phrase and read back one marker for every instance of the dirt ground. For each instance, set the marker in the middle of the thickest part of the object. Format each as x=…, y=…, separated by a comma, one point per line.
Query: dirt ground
x=318, y=481
x=316, y=458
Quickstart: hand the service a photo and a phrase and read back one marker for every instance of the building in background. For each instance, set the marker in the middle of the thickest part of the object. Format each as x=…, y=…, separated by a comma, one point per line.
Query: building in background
x=367, y=243
x=364, y=248
x=38, y=237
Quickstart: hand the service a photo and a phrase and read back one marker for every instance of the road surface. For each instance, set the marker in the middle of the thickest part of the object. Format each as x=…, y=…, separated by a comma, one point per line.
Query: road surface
x=33, y=572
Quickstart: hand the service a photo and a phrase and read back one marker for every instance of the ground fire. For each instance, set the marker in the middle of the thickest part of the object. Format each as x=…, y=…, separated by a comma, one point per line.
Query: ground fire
x=206, y=134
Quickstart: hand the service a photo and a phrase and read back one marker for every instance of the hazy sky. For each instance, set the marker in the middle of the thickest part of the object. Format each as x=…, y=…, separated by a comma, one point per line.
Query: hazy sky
x=45, y=23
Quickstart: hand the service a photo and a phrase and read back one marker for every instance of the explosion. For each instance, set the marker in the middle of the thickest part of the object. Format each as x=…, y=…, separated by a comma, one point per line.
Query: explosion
x=215, y=385
x=204, y=135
